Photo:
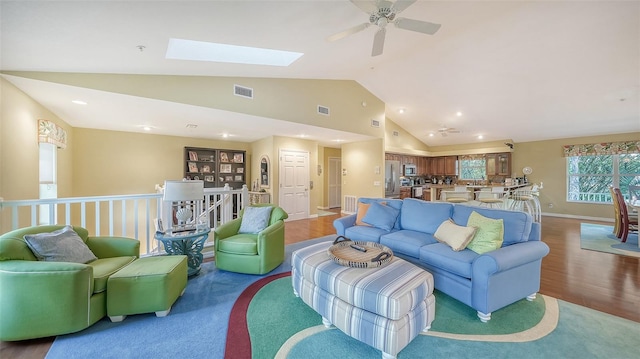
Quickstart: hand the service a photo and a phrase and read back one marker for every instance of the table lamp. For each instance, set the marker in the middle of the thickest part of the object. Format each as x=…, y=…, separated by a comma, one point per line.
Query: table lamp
x=189, y=194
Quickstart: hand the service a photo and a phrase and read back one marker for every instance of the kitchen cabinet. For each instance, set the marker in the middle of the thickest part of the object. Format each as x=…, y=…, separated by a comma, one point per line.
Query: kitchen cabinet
x=450, y=165
x=498, y=164
x=405, y=192
x=426, y=195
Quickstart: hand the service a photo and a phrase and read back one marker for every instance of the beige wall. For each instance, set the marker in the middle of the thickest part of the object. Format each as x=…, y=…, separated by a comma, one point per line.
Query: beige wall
x=404, y=143
x=19, y=151
x=361, y=160
x=550, y=167
x=260, y=148
x=112, y=162
x=293, y=100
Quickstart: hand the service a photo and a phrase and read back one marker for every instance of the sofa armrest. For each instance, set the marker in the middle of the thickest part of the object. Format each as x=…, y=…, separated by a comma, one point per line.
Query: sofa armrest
x=226, y=230
x=108, y=247
x=41, y=299
x=535, y=234
x=268, y=236
x=509, y=257
x=341, y=224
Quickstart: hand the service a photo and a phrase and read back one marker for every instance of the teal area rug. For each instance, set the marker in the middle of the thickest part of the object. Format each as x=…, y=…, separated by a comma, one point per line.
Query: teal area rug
x=597, y=237
x=544, y=328
x=198, y=323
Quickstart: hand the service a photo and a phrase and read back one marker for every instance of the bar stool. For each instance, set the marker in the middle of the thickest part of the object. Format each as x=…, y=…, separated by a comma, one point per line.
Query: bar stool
x=493, y=198
x=460, y=194
x=526, y=199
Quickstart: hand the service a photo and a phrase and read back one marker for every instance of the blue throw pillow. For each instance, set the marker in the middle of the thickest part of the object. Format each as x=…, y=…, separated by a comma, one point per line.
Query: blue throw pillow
x=255, y=219
x=381, y=216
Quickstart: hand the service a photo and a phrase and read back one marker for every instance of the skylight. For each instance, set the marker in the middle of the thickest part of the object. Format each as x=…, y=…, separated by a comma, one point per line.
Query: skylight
x=180, y=49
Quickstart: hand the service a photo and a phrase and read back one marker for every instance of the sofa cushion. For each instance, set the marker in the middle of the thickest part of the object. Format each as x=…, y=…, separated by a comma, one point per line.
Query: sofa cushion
x=103, y=268
x=517, y=225
x=489, y=235
x=243, y=243
x=364, y=233
x=391, y=202
x=424, y=216
x=62, y=245
x=441, y=256
x=255, y=219
x=407, y=242
x=455, y=236
x=381, y=216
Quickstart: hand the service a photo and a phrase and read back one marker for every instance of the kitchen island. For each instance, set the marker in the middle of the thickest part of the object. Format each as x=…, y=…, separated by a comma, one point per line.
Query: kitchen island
x=436, y=189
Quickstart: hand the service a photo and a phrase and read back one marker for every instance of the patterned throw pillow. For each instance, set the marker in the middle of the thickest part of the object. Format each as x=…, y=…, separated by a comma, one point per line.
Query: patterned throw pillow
x=490, y=233
x=63, y=245
x=255, y=219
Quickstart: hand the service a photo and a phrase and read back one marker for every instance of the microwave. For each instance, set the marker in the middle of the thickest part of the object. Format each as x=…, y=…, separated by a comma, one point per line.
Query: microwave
x=410, y=170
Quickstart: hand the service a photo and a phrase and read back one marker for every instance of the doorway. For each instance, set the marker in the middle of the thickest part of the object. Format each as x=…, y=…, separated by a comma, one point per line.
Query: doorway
x=294, y=183
x=335, y=183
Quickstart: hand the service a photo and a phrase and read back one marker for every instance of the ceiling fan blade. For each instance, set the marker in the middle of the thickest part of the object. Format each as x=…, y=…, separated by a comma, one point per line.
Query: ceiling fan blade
x=366, y=6
x=378, y=42
x=348, y=32
x=417, y=25
x=444, y=134
x=400, y=5
x=454, y=131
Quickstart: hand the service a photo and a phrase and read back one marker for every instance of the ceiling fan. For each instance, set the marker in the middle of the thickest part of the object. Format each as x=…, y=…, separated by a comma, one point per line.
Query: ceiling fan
x=444, y=131
x=381, y=13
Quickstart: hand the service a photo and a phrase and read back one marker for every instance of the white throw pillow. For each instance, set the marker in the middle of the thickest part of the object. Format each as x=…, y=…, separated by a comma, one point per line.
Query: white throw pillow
x=63, y=245
x=255, y=219
x=455, y=236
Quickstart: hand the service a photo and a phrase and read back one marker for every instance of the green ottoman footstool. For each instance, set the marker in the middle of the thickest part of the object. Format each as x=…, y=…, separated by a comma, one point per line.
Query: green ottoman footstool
x=150, y=284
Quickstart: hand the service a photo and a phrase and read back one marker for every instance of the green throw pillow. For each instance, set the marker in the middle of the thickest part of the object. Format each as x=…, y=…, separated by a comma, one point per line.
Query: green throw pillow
x=490, y=233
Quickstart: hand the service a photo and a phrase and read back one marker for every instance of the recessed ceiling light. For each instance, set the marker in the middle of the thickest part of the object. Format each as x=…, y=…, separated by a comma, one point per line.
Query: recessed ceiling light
x=79, y=102
x=180, y=49
x=401, y=110
x=431, y=134
x=146, y=127
x=458, y=113
x=302, y=135
x=338, y=140
x=480, y=137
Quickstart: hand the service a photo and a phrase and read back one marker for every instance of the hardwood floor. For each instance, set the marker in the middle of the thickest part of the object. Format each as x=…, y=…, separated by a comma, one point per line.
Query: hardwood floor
x=605, y=282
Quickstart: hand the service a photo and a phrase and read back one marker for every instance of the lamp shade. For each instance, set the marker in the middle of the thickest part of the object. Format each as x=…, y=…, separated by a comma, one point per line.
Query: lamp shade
x=175, y=191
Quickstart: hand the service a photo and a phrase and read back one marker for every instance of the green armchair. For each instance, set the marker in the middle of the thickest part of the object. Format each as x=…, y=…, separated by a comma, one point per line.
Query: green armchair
x=41, y=299
x=251, y=253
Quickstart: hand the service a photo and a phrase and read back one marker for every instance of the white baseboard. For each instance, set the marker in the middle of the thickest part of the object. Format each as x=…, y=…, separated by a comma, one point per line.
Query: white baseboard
x=562, y=215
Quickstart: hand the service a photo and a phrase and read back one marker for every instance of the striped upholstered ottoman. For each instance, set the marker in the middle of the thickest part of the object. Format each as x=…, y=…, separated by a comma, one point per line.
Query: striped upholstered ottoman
x=384, y=307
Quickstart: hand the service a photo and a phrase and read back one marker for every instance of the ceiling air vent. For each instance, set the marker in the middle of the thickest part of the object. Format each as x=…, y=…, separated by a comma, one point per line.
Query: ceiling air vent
x=375, y=123
x=323, y=110
x=396, y=133
x=242, y=91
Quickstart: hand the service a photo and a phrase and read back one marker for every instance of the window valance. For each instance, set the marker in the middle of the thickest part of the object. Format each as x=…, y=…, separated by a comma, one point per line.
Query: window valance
x=49, y=132
x=471, y=157
x=604, y=148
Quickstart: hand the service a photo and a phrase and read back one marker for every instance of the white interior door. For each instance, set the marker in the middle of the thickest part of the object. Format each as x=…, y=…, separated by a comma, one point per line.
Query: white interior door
x=294, y=183
x=335, y=184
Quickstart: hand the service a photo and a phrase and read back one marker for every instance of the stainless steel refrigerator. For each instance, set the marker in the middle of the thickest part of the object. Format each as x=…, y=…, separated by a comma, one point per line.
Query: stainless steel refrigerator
x=392, y=179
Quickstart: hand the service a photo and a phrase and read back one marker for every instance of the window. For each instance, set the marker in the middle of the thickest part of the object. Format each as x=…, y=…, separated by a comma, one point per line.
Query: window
x=589, y=177
x=472, y=167
x=48, y=181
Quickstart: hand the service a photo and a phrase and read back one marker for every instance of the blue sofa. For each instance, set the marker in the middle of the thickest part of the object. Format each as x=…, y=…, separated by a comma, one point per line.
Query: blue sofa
x=485, y=282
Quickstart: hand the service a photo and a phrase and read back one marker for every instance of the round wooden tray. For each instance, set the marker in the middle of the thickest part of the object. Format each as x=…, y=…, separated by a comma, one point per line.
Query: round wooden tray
x=376, y=255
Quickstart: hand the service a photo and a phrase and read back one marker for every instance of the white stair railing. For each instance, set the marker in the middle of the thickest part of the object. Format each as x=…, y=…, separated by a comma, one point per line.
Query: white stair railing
x=121, y=215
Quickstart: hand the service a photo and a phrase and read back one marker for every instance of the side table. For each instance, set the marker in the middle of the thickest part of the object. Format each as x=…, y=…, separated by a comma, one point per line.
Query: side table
x=187, y=243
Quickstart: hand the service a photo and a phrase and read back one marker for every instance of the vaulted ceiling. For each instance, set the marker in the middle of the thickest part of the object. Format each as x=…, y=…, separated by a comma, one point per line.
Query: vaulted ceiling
x=522, y=70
